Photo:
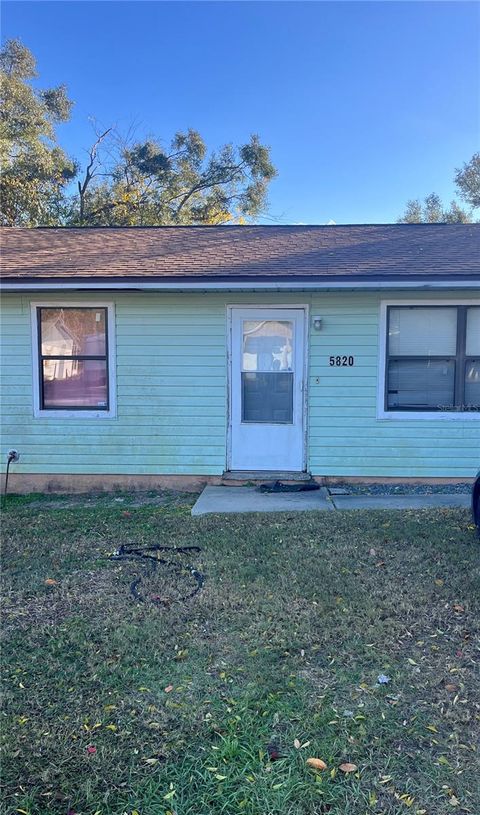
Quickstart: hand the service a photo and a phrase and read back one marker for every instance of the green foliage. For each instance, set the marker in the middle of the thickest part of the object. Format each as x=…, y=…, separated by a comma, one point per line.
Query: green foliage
x=148, y=185
x=467, y=180
x=35, y=170
x=432, y=211
x=125, y=182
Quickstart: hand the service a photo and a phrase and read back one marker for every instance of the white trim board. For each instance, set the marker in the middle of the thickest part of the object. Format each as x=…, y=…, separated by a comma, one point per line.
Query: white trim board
x=38, y=412
x=406, y=416
x=280, y=285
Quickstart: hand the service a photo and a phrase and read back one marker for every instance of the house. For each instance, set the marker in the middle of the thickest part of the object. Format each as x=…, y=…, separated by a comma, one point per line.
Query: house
x=145, y=357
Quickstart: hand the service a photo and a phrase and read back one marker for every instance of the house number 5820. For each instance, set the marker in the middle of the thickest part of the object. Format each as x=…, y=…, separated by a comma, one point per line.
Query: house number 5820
x=343, y=362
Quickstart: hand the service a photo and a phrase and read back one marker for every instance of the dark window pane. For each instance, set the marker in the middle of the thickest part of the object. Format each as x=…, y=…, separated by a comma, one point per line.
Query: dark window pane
x=472, y=383
x=420, y=383
x=75, y=383
x=267, y=397
x=73, y=332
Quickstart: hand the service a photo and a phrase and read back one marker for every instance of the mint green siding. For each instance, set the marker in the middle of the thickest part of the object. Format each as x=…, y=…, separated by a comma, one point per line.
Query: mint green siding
x=345, y=436
x=171, y=384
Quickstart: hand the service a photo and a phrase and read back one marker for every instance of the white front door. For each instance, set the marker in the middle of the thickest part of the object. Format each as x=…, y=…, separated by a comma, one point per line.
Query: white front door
x=267, y=381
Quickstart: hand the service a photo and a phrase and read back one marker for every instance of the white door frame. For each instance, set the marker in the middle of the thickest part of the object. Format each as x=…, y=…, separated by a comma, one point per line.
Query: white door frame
x=273, y=306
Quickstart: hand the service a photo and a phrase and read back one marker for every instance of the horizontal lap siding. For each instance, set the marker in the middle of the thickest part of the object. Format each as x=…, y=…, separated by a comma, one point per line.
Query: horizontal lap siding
x=172, y=394
x=345, y=436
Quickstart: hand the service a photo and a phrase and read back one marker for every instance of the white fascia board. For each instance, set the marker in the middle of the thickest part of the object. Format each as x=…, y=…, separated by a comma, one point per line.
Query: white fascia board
x=279, y=285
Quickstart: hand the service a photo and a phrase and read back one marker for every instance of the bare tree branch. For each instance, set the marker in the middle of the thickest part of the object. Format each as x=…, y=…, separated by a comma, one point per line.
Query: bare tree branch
x=90, y=172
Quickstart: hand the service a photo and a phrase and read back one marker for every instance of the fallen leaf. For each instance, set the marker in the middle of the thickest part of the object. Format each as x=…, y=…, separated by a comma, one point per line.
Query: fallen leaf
x=296, y=744
x=348, y=768
x=127, y=514
x=273, y=752
x=439, y=582
x=451, y=688
x=316, y=763
x=50, y=582
x=458, y=607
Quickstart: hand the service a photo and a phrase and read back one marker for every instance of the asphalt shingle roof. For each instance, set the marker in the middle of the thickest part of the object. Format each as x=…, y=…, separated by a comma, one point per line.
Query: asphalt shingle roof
x=368, y=252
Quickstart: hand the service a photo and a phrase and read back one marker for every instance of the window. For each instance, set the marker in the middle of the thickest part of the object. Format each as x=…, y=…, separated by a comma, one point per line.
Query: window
x=267, y=372
x=73, y=359
x=432, y=358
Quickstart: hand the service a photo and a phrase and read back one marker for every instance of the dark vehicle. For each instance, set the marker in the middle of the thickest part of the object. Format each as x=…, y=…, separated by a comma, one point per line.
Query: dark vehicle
x=476, y=501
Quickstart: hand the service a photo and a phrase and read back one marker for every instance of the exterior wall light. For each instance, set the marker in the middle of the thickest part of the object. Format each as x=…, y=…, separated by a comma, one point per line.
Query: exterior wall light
x=317, y=323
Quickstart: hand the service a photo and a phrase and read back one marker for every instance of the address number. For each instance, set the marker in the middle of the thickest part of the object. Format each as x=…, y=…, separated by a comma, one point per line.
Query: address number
x=342, y=362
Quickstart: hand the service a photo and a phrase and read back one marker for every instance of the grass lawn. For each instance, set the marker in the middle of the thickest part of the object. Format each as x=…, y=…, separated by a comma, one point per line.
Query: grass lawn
x=114, y=706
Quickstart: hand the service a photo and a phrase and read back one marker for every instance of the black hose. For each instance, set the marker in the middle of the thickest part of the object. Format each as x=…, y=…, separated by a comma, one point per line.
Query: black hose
x=139, y=554
x=11, y=457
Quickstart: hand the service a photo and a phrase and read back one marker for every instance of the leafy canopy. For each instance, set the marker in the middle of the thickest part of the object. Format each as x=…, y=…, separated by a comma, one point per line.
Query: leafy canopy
x=142, y=183
x=431, y=210
x=34, y=169
x=124, y=181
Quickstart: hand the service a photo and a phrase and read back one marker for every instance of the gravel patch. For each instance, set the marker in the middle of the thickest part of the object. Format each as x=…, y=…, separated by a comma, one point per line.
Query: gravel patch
x=402, y=489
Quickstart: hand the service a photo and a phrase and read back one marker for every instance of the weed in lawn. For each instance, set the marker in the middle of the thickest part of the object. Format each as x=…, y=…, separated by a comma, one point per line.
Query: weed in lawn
x=112, y=706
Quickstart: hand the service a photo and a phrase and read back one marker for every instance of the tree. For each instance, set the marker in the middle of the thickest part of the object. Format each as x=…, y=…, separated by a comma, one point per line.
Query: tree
x=432, y=211
x=467, y=180
x=34, y=169
x=124, y=182
x=140, y=183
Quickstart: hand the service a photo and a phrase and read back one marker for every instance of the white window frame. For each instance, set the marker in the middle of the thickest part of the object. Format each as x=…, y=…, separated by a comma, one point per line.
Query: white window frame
x=413, y=415
x=40, y=412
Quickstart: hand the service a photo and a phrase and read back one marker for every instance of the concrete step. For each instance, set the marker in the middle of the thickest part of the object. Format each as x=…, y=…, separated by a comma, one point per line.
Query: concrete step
x=265, y=475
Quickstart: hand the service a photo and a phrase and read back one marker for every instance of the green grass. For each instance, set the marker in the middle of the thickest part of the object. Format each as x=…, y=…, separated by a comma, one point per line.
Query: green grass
x=298, y=616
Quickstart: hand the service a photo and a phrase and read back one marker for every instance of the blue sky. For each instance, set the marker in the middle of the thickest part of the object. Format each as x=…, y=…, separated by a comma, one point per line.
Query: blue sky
x=364, y=105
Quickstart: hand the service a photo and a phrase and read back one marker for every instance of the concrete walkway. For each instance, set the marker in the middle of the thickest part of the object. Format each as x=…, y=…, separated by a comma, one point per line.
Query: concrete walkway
x=247, y=499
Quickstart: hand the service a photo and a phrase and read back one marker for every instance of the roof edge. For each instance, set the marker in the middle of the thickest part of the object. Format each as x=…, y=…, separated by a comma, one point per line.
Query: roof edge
x=182, y=284
x=219, y=227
